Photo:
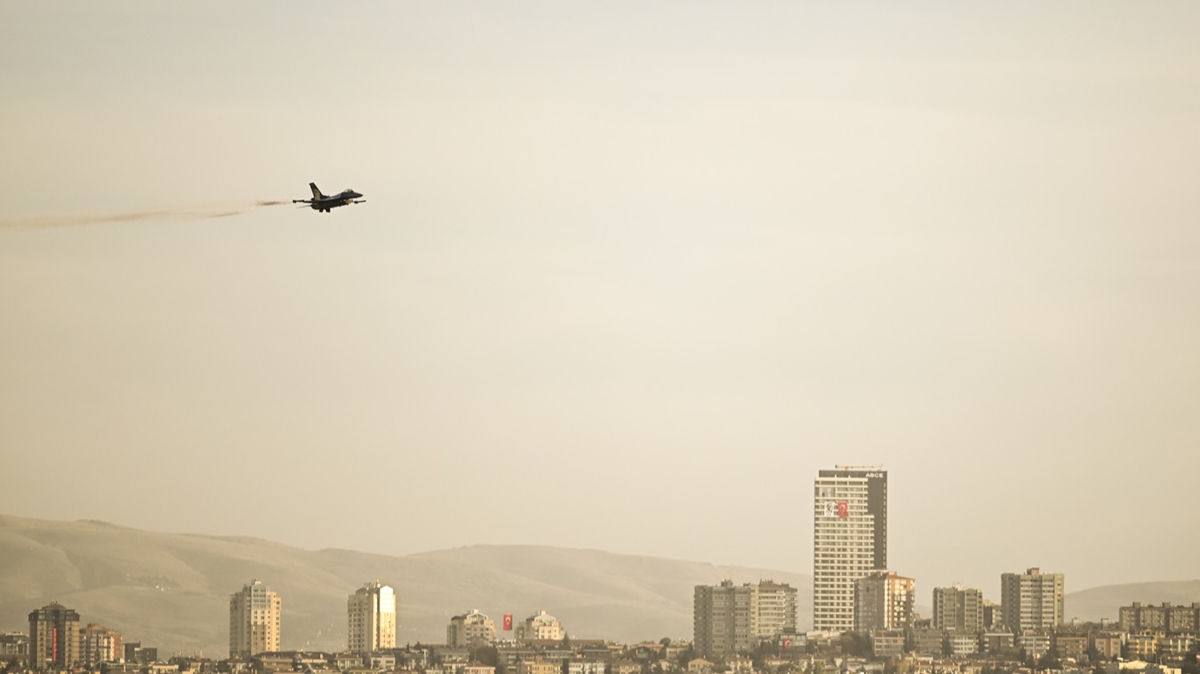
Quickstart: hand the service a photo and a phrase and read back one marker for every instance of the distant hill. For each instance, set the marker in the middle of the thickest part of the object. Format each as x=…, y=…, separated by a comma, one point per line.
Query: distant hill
x=1102, y=603
x=172, y=590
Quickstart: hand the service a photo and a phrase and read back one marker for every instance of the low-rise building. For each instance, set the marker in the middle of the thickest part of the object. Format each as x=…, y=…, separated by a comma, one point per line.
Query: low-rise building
x=1033, y=644
x=538, y=666
x=1070, y=645
x=929, y=642
x=1177, y=646
x=960, y=644
x=1142, y=645
x=887, y=643
x=1107, y=644
x=998, y=642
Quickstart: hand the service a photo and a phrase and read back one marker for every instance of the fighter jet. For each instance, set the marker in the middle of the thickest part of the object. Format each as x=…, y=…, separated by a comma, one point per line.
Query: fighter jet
x=320, y=202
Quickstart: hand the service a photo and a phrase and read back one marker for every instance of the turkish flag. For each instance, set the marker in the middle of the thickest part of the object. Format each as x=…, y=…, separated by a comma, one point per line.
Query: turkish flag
x=843, y=509
x=507, y=622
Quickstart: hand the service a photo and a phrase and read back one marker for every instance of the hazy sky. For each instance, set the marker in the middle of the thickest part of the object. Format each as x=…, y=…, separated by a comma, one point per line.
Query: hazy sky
x=627, y=277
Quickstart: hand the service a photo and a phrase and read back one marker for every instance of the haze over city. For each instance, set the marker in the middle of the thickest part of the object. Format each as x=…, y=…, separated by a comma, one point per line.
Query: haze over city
x=627, y=277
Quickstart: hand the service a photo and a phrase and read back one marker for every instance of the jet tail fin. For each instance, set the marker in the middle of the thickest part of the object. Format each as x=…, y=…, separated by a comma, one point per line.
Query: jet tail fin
x=316, y=192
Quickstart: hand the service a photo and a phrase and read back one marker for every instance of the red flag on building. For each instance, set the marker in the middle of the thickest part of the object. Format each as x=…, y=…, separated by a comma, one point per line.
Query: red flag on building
x=507, y=622
x=843, y=509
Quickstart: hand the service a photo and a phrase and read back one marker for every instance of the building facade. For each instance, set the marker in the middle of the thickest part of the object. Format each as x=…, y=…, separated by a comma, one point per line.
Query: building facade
x=776, y=609
x=254, y=620
x=1032, y=600
x=53, y=637
x=958, y=609
x=728, y=619
x=99, y=644
x=849, y=539
x=470, y=630
x=371, y=618
x=883, y=600
x=540, y=627
x=1166, y=617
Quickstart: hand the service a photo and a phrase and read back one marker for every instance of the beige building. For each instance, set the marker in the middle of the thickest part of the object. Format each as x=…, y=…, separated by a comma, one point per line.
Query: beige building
x=470, y=630
x=539, y=666
x=849, y=539
x=1166, y=617
x=776, y=609
x=1107, y=644
x=99, y=644
x=1070, y=645
x=958, y=609
x=883, y=601
x=254, y=620
x=371, y=614
x=1031, y=600
x=53, y=637
x=540, y=627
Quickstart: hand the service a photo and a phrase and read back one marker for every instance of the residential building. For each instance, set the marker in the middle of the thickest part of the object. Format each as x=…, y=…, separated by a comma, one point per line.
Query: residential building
x=143, y=655
x=729, y=619
x=776, y=609
x=254, y=620
x=998, y=642
x=1142, y=645
x=883, y=600
x=929, y=642
x=1070, y=645
x=724, y=619
x=53, y=637
x=849, y=539
x=14, y=643
x=1033, y=644
x=958, y=609
x=371, y=616
x=583, y=667
x=540, y=627
x=993, y=616
x=1177, y=645
x=1107, y=644
x=470, y=630
x=961, y=644
x=1166, y=617
x=887, y=643
x=99, y=644
x=1032, y=600
x=539, y=666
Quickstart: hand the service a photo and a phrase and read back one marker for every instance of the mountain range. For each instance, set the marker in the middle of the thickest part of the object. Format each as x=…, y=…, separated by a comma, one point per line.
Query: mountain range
x=172, y=591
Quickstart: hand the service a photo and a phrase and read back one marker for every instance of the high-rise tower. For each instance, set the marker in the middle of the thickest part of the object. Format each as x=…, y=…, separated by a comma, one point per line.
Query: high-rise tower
x=849, y=539
x=958, y=609
x=1031, y=600
x=372, y=615
x=728, y=619
x=254, y=620
x=53, y=637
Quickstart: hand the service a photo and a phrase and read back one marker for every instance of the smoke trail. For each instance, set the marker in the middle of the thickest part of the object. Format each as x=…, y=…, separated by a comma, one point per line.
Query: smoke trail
x=176, y=213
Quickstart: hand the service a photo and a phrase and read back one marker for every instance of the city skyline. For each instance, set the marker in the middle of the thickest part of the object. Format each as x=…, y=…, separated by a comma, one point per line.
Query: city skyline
x=612, y=256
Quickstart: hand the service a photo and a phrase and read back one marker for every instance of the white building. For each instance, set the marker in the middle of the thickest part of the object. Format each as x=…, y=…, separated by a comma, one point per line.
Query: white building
x=371, y=612
x=849, y=539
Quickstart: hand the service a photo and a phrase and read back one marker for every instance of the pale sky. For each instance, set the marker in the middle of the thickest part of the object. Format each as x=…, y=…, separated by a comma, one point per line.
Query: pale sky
x=628, y=275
